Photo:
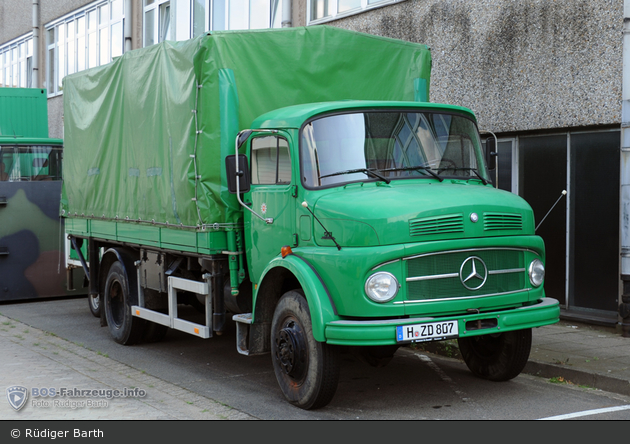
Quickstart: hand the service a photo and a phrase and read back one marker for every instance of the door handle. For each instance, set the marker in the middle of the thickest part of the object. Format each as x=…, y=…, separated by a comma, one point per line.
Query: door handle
x=4, y=251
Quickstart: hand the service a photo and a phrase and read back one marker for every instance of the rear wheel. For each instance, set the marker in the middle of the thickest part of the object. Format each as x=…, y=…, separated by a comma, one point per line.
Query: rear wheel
x=94, y=301
x=497, y=357
x=119, y=296
x=307, y=371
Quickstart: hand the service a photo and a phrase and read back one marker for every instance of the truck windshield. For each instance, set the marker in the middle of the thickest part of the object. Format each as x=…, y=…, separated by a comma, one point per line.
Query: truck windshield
x=389, y=146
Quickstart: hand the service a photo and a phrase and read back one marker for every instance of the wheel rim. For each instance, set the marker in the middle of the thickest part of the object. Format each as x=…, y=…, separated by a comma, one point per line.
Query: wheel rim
x=291, y=350
x=116, y=303
x=95, y=301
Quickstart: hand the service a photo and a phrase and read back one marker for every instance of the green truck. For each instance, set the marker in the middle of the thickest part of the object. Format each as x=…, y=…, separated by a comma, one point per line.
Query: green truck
x=299, y=183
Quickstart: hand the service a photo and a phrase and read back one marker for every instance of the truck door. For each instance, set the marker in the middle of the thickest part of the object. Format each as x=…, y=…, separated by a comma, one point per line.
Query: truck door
x=271, y=196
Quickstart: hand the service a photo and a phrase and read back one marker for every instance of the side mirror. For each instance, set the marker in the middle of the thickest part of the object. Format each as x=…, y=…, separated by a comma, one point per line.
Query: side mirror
x=491, y=153
x=233, y=172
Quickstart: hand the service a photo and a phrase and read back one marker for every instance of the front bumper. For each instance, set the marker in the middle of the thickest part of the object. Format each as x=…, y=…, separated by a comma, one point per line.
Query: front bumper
x=383, y=332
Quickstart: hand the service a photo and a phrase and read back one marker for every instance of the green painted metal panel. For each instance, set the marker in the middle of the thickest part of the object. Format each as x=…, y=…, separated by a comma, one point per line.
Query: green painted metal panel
x=212, y=242
x=104, y=228
x=546, y=311
x=77, y=226
x=23, y=112
x=179, y=237
x=206, y=242
x=130, y=232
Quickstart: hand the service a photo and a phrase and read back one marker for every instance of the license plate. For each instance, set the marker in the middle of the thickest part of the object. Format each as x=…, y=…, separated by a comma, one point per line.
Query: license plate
x=433, y=331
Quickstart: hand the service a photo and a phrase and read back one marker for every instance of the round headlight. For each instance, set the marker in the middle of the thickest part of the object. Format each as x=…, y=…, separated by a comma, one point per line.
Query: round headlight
x=536, y=273
x=381, y=287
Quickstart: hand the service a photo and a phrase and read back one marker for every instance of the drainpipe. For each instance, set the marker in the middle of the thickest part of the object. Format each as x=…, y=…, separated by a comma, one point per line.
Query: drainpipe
x=127, y=25
x=624, y=303
x=286, y=14
x=35, y=71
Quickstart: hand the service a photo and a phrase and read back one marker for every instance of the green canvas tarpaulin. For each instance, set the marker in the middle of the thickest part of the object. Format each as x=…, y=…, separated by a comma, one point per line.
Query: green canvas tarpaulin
x=146, y=135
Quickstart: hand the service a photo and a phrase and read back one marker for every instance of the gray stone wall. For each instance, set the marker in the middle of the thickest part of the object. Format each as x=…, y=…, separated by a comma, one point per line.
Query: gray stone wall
x=519, y=65
x=15, y=19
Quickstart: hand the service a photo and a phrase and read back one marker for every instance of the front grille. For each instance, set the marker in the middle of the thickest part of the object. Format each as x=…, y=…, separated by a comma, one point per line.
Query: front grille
x=502, y=221
x=440, y=275
x=451, y=223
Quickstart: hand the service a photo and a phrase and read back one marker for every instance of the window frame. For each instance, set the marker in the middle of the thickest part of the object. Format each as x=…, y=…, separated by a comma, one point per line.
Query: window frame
x=282, y=143
x=157, y=7
x=29, y=154
x=59, y=46
x=334, y=14
x=21, y=67
x=208, y=9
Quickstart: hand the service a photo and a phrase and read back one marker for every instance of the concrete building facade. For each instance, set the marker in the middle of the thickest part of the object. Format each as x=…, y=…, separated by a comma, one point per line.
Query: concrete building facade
x=546, y=76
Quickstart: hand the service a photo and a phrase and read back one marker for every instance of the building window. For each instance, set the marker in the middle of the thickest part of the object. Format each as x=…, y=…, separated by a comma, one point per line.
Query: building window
x=221, y=15
x=320, y=11
x=16, y=63
x=88, y=37
x=157, y=21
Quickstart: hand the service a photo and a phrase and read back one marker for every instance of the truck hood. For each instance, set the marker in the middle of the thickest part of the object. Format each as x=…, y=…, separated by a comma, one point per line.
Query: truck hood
x=371, y=214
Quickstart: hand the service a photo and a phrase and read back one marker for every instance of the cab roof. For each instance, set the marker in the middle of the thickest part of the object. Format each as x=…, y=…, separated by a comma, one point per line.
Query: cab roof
x=295, y=116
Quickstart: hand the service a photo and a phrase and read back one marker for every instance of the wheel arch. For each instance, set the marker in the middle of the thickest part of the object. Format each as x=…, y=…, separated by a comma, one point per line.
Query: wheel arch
x=293, y=273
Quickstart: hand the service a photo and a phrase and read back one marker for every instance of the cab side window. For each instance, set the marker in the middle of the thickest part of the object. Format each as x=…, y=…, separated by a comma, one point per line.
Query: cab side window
x=270, y=161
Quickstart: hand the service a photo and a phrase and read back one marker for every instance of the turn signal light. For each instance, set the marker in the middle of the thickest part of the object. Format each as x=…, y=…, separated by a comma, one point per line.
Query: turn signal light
x=285, y=251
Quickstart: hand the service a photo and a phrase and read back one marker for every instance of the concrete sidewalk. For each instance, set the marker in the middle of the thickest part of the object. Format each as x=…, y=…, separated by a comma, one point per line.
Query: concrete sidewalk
x=35, y=359
x=582, y=354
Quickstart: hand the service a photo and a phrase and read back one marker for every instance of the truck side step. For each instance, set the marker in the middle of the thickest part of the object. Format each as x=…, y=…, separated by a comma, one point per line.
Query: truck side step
x=171, y=319
x=243, y=322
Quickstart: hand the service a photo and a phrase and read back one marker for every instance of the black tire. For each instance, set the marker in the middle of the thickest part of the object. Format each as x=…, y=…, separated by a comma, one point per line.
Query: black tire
x=94, y=301
x=497, y=357
x=307, y=371
x=119, y=296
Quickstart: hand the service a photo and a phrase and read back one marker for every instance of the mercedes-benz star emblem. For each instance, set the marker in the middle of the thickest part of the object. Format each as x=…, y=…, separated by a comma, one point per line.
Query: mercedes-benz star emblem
x=473, y=273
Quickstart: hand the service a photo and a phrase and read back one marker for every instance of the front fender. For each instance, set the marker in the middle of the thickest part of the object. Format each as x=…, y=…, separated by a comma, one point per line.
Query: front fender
x=318, y=298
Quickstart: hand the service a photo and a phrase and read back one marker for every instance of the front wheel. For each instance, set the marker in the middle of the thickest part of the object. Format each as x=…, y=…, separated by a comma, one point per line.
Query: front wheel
x=307, y=371
x=497, y=357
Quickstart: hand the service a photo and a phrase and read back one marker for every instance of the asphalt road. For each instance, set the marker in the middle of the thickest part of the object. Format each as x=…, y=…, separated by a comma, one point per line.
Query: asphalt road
x=414, y=386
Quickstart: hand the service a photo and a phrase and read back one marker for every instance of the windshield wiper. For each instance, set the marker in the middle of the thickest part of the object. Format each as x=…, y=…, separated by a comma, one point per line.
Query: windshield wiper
x=415, y=168
x=474, y=170
x=367, y=171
